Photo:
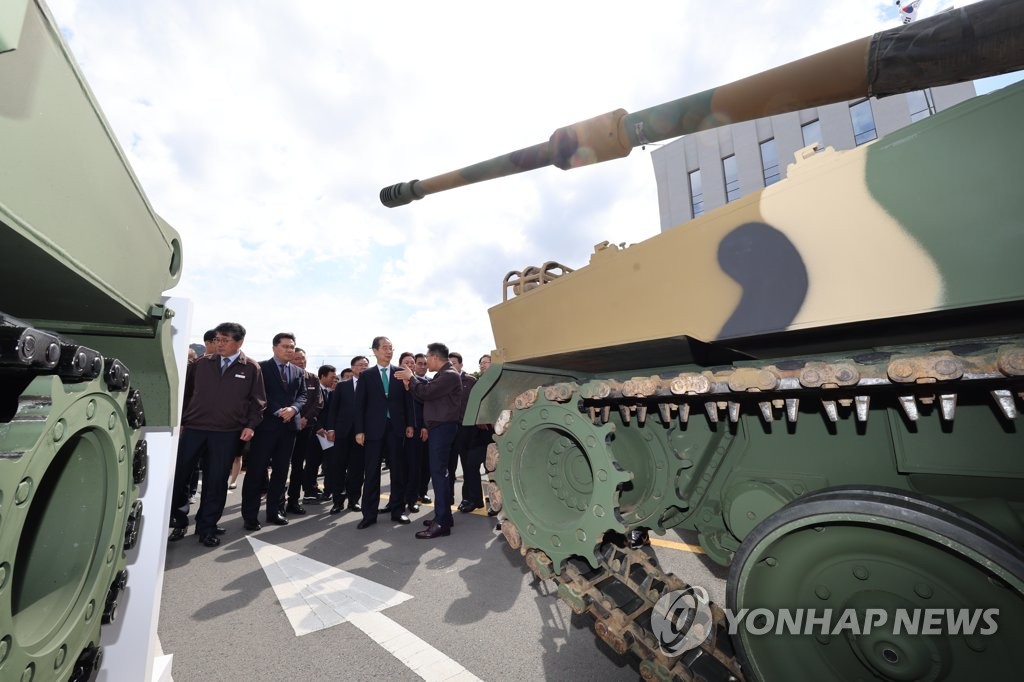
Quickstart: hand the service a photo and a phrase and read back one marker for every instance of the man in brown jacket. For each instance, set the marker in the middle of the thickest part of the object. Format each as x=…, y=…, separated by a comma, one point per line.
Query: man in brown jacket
x=224, y=402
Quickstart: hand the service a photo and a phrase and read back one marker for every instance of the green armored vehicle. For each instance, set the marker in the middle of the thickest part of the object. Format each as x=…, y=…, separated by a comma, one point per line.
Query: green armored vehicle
x=83, y=339
x=820, y=379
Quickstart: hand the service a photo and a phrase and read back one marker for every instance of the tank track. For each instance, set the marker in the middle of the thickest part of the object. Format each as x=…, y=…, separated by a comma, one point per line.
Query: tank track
x=621, y=592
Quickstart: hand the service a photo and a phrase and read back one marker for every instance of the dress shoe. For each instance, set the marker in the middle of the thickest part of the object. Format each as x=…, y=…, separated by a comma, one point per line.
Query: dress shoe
x=252, y=525
x=277, y=520
x=400, y=518
x=427, y=522
x=425, y=500
x=366, y=523
x=414, y=508
x=436, y=530
x=209, y=540
x=176, y=534
x=491, y=512
x=295, y=508
x=336, y=509
x=466, y=507
x=356, y=507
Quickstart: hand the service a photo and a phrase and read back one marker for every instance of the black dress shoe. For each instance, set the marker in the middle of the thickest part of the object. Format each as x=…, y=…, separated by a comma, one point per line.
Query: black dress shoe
x=366, y=523
x=209, y=540
x=252, y=525
x=425, y=500
x=277, y=520
x=466, y=507
x=427, y=522
x=336, y=509
x=356, y=506
x=176, y=534
x=413, y=508
x=295, y=508
x=436, y=530
x=491, y=512
x=401, y=518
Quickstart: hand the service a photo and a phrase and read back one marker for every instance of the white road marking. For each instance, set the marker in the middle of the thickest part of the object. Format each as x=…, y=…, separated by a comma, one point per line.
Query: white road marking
x=315, y=596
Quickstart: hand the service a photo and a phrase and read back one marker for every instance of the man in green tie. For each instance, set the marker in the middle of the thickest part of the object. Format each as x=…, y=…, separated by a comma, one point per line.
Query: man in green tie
x=383, y=415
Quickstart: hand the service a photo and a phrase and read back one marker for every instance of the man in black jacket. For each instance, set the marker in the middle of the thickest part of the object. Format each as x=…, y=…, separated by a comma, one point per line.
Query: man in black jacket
x=442, y=403
x=224, y=402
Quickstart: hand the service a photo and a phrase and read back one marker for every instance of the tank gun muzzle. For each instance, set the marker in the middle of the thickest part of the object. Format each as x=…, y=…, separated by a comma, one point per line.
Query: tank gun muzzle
x=401, y=194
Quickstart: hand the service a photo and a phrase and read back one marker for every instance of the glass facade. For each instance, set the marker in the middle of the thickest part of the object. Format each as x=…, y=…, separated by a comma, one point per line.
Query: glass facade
x=732, y=178
x=863, y=122
x=696, y=193
x=770, y=162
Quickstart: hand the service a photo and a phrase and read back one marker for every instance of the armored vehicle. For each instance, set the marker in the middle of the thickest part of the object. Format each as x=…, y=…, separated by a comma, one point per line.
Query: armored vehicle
x=83, y=337
x=819, y=379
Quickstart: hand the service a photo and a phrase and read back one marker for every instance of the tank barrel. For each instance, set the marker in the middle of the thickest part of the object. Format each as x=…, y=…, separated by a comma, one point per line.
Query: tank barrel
x=980, y=40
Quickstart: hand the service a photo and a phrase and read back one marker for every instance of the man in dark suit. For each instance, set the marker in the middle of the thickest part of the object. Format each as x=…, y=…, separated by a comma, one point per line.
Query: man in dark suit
x=275, y=436
x=384, y=415
x=305, y=439
x=344, y=463
x=327, y=376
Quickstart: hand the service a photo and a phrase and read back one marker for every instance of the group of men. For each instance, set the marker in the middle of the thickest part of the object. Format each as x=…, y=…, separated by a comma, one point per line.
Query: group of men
x=351, y=425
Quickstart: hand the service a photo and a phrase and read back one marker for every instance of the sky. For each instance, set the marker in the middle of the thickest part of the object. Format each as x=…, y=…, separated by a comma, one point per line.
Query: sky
x=263, y=132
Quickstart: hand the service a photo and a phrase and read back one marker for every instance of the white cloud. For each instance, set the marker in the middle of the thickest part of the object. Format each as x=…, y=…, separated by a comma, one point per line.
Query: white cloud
x=263, y=132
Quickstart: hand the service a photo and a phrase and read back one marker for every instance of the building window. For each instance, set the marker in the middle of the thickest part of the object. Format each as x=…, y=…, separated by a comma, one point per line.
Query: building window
x=812, y=133
x=921, y=104
x=732, y=178
x=770, y=162
x=863, y=122
x=696, y=193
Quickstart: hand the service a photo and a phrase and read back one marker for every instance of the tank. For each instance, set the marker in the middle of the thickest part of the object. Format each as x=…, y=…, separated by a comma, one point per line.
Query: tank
x=84, y=339
x=820, y=380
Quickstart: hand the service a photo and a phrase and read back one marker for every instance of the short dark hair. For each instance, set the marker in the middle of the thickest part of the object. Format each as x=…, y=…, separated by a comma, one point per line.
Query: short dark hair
x=405, y=355
x=210, y=335
x=485, y=355
x=325, y=370
x=418, y=356
x=376, y=342
x=357, y=359
x=232, y=329
x=347, y=370
x=457, y=356
x=283, y=335
x=438, y=350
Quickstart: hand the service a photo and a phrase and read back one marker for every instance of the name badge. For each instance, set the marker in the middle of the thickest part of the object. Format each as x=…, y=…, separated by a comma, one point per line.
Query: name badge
x=239, y=376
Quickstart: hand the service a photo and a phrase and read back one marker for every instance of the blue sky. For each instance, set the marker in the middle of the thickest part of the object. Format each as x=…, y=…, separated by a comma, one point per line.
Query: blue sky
x=263, y=132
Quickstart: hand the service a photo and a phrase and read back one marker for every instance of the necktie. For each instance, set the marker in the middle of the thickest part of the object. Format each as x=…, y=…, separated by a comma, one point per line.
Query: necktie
x=224, y=362
x=284, y=375
x=384, y=378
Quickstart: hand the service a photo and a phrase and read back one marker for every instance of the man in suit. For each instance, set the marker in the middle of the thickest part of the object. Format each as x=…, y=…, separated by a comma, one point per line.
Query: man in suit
x=344, y=463
x=463, y=441
x=415, y=448
x=275, y=436
x=224, y=401
x=305, y=440
x=384, y=415
x=327, y=376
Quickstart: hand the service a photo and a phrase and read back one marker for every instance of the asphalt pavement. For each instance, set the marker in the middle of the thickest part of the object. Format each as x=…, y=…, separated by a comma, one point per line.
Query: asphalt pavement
x=282, y=608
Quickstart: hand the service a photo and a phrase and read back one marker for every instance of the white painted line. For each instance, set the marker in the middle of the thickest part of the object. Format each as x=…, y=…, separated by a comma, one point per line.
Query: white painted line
x=315, y=596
